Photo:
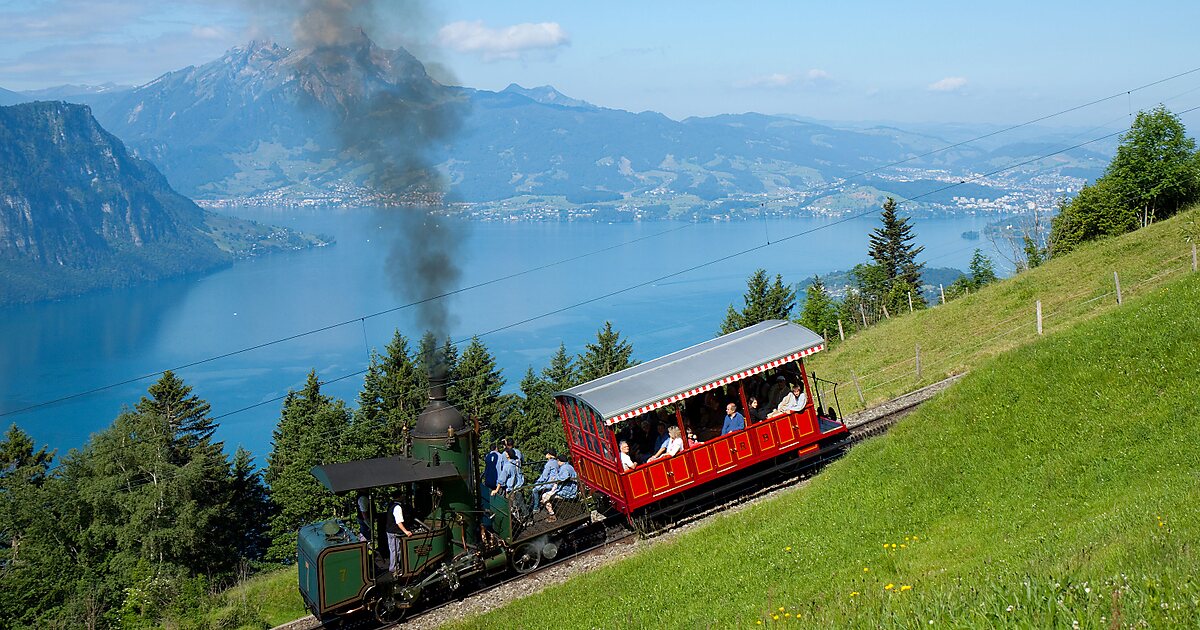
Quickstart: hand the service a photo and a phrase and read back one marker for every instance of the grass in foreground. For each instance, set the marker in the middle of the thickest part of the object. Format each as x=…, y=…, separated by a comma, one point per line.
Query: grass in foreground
x=958, y=336
x=1055, y=486
x=263, y=601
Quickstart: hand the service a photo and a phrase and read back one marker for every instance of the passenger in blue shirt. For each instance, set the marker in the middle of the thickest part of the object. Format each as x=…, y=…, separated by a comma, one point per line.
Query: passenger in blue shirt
x=508, y=474
x=564, y=486
x=546, y=480
x=733, y=420
x=491, y=465
x=508, y=444
x=660, y=440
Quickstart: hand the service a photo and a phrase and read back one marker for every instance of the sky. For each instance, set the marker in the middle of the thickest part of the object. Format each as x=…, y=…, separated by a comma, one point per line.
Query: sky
x=870, y=61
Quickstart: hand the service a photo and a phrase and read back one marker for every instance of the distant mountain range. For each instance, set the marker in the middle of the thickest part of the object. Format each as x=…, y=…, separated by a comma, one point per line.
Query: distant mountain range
x=78, y=212
x=257, y=123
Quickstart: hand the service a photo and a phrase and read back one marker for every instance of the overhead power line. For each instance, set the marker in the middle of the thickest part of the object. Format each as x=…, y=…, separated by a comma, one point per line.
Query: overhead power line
x=464, y=289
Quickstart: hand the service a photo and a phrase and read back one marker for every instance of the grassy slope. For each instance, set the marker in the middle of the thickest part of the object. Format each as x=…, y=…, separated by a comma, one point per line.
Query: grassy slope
x=1059, y=480
x=957, y=336
x=265, y=600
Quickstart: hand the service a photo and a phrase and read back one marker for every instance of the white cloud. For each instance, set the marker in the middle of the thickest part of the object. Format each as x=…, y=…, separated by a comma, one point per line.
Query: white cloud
x=810, y=78
x=949, y=84
x=510, y=42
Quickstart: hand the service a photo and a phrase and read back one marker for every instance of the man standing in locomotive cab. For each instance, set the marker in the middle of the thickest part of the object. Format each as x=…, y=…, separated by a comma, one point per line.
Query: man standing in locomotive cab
x=491, y=466
x=396, y=530
x=733, y=420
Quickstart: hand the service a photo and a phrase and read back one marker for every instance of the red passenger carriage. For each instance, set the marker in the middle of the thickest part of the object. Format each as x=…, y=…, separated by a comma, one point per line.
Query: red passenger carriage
x=688, y=389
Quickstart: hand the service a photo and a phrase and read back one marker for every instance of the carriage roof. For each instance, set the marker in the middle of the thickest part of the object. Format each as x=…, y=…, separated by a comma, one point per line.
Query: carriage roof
x=728, y=358
x=381, y=471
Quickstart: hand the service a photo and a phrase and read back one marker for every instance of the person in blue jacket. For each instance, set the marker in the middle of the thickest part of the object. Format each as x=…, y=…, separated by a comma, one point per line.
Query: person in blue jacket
x=733, y=420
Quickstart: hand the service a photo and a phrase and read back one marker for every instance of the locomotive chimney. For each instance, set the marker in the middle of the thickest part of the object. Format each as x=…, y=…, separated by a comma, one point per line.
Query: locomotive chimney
x=439, y=416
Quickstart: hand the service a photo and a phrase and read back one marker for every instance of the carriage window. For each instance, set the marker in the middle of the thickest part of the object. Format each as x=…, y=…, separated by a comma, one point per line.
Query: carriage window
x=565, y=410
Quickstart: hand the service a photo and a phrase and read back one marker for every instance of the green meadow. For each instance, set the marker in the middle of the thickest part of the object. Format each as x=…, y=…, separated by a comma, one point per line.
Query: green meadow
x=1057, y=485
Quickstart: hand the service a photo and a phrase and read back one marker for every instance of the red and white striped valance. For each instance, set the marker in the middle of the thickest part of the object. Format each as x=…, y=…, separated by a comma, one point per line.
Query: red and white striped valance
x=633, y=413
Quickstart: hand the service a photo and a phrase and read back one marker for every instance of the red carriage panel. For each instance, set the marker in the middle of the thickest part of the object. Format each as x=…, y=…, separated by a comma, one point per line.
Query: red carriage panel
x=763, y=436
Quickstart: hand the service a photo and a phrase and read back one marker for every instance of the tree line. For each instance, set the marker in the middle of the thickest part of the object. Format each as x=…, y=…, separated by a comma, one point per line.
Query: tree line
x=144, y=523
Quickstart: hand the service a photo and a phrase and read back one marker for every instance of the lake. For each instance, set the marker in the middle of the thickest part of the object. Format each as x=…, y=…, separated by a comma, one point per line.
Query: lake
x=60, y=348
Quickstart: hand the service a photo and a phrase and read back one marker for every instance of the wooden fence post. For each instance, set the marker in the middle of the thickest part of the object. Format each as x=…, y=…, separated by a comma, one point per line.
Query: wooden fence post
x=886, y=313
x=942, y=290
x=918, y=362
x=841, y=331
x=1039, y=316
x=854, y=377
x=910, y=302
x=1117, y=281
x=1193, y=256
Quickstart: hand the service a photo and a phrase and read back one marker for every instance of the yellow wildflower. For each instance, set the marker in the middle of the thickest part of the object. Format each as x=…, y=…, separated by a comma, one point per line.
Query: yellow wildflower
x=775, y=617
x=893, y=545
x=866, y=570
x=915, y=538
x=903, y=546
x=889, y=587
x=906, y=587
x=853, y=593
x=759, y=622
x=787, y=548
x=781, y=609
x=906, y=539
x=787, y=614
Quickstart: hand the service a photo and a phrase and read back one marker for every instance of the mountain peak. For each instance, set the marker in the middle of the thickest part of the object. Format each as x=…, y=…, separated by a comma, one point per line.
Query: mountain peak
x=547, y=95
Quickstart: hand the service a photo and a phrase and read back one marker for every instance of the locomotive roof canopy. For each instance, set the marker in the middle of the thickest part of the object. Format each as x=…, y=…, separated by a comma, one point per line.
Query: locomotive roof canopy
x=382, y=471
x=728, y=358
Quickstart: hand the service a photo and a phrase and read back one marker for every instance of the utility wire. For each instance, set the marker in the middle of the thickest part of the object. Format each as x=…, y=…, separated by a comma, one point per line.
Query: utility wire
x=362, y=318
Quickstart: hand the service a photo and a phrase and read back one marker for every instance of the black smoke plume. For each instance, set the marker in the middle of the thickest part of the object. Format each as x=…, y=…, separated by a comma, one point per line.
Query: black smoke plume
x=392, y=129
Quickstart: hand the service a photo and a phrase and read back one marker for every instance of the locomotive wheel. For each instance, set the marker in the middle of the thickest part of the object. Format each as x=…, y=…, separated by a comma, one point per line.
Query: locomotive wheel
x=526, y=558
x=387, y=610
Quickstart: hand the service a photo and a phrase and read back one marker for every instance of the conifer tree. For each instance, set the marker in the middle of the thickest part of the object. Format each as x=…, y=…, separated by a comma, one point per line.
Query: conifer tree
x=537, y=426
x=763, y=300
x=561, y=373
x=819, y=313
x=390, y=400
x=184, y=412
x=249, y=507
x=311, y=431
x=983, y=271
x=892, y=250
x=609, y=354
x=476, y=391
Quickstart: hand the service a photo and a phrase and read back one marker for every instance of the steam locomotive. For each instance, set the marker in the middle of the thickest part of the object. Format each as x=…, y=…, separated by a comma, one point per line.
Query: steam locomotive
x=467, y=535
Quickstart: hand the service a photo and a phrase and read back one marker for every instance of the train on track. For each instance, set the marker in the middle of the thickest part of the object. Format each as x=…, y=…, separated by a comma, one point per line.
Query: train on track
x=461, y=534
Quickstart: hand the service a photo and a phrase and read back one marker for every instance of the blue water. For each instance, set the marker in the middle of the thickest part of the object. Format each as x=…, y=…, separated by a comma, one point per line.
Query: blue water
x=59, y=348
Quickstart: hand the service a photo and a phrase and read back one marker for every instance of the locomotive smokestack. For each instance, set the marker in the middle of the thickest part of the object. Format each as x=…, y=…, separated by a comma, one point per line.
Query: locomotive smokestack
x=439, y=415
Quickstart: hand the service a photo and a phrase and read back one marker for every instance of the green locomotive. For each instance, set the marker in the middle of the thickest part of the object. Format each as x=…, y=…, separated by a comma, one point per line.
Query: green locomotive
x=460, y=532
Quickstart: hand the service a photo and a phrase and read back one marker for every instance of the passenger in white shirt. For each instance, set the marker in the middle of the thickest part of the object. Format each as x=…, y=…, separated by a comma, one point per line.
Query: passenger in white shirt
x=673, y=447
x=794, y=401
x=626, y=460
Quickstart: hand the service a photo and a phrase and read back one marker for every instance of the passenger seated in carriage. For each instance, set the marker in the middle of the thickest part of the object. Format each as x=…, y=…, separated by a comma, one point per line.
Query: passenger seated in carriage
x=734, y=421
x=672, y=447
x=794, y=401
x=626, y=460
x=758, y=413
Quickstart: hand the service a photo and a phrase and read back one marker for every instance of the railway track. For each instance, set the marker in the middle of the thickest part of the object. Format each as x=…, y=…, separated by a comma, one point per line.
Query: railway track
x=862, y=425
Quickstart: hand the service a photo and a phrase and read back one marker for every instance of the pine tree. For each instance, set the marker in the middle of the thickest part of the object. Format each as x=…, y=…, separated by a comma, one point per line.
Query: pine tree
x=392, y=396
x=311, y=431
x=763, y=300
x=476, y=391
x=609, y=354
x=183, y=411
x=249, y=508
x=537, y=426
x=893, y=252
x=561, y=373
x=819, y=313
x=983, y=272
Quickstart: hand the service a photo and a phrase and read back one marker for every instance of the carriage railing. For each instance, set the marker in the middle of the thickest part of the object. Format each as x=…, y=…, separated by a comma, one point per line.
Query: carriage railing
x=821, y=386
